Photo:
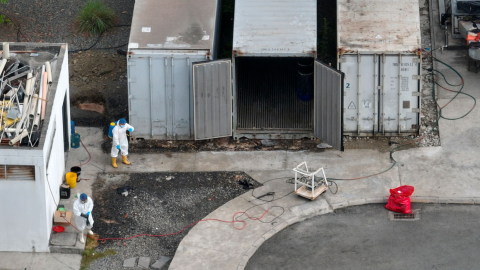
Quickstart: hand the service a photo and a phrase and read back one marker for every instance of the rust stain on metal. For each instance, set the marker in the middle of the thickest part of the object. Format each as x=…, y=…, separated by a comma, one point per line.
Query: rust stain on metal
x=19, y=172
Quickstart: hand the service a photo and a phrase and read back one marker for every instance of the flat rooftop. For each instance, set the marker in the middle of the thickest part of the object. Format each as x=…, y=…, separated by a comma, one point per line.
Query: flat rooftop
x=173, y=24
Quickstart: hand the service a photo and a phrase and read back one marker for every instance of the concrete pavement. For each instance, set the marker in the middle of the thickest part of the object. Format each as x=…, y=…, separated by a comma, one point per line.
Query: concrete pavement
x=446, y=174
x=39, y=261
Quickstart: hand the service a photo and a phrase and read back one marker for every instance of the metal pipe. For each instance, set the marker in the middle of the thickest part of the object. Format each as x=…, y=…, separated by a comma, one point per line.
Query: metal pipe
x=5, y=56
x=26, y=106
x=375, y=94
x=36, y=121
x=167, y=96
x=49, y=71
x=18, y=138
x=44, y=94
x=383, y=94
x=6, y=50
x=399, y=92
x=151, y=94
x=174, y=127
x=31, y=110
x=2, y=65
x=1, y=116
x=29, y=84
x=359, y=60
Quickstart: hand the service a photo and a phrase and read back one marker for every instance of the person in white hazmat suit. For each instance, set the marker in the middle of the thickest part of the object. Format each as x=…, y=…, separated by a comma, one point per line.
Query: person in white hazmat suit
x=82, y=210
x=120, y=141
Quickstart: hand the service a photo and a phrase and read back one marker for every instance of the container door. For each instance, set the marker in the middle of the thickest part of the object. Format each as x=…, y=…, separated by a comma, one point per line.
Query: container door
x=360, y=93
x=147, y=96
x=212, y=96
x=328, y=105
x=400, y=99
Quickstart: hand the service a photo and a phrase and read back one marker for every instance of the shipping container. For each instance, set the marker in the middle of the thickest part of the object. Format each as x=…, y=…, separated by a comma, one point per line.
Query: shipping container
x=274, y=49
x=379, y=51
x=166, y=38
x=273, y=87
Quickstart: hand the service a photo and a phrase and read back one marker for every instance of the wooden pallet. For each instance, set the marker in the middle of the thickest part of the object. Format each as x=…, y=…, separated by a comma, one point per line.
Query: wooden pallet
x=304, y=192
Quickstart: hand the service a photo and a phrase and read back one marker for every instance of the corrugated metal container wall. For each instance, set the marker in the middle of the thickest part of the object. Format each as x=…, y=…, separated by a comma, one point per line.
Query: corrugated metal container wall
x=166, y=38
x=379, y=53
x=274, y=46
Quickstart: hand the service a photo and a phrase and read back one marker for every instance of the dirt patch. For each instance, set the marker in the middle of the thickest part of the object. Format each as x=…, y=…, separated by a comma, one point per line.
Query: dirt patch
x=221, y=144
x=98, y=84
x=157, y=203
x=94, y=107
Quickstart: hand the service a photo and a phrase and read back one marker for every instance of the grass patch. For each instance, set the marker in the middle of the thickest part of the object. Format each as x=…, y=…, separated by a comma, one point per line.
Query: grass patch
x=89, y=255
x=96, y=18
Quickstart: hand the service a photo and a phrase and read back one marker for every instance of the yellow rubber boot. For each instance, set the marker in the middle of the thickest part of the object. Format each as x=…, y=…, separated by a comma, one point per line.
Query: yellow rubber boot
x=114, y=162
x=125, y=160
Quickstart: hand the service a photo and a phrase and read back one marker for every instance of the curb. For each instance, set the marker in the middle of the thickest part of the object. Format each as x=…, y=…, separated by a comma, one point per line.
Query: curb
x=303, y=215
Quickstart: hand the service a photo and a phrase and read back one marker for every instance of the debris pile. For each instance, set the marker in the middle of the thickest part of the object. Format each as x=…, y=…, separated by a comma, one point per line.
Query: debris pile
x=23, y=101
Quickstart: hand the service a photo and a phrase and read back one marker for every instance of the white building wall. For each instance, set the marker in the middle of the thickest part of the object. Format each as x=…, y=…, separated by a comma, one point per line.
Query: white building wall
x=54, y=149
x=27, y=207
x=22, y=205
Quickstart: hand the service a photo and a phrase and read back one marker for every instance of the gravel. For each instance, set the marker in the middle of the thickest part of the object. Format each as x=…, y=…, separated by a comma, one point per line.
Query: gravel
x=53, y=21
x=156, y=205
x=429, y=114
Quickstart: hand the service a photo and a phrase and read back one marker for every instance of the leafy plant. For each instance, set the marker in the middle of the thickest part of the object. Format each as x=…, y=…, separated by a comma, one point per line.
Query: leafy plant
x=3, y=1
x=5, y=20
x=96, y=18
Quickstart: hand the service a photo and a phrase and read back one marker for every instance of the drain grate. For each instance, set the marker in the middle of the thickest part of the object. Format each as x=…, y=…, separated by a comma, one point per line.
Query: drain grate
x=415, y=215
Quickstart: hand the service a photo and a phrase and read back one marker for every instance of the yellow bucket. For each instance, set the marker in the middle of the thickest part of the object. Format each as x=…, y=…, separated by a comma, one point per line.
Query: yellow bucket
x=71, y=178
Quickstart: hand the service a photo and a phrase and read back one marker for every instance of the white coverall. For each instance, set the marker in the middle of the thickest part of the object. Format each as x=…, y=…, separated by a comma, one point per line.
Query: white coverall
x=83, y=208
x=120, y=138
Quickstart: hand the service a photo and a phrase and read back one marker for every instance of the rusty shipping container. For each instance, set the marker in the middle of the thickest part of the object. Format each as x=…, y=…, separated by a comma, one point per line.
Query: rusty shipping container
x=379, y=51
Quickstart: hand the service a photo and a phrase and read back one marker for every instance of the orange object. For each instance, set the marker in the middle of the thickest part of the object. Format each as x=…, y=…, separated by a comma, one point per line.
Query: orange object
x=472, y=38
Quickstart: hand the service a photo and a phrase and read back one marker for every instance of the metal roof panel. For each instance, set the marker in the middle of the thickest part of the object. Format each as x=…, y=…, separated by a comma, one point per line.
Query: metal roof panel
x=173, y=24
x=275, y=26
x=378, y=25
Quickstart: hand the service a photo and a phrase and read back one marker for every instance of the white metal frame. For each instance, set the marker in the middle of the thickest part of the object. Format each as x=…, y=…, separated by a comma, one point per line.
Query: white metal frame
x=302, y=169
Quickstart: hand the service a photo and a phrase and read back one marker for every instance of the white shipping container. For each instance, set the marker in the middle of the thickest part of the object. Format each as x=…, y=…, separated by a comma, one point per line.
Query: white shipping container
x=167, y=39
x=381, y=59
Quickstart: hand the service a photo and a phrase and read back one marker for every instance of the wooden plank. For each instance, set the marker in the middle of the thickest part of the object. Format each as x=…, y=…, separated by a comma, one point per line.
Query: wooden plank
x=304, y=192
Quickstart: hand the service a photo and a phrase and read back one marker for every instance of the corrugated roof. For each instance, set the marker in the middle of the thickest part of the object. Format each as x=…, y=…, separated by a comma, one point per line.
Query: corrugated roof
x=173, y=24
x=275, y=26
x=378, y=25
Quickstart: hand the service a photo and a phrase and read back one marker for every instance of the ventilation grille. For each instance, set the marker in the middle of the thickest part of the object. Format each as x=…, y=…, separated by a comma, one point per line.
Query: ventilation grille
x=268, y=94
x=415, y=215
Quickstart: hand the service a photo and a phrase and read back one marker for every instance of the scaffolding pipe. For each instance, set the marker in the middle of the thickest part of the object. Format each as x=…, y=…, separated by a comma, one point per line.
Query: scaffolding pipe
x=26, y=105
x=36, y=120
x=29, y=84
x=44, y=94
x=39, y=101
x=49, y=71
x=18, y=138
x=31, y=110
x=6, y=50
x=5, y=56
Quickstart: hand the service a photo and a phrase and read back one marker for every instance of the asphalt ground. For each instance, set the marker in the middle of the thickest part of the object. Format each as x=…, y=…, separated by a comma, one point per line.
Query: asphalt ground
x=363, y=237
